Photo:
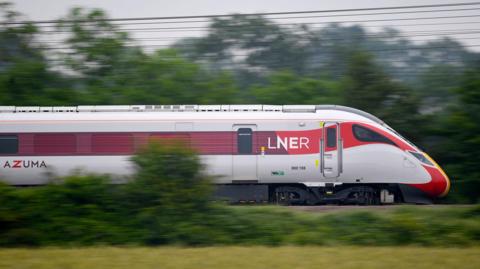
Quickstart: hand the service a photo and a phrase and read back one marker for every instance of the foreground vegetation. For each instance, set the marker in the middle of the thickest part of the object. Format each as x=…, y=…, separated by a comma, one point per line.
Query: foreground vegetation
x=167, y=202
x=241, y=257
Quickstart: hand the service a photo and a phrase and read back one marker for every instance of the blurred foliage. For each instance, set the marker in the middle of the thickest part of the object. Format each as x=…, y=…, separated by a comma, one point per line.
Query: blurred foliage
x=167, y=201
x=287, y=88
x=169, y=195
x=266, y=44
x=97, y=47
x=163, y=202
x=154, y=209
x=367, y=87
x=251, y=59
x=460, y=145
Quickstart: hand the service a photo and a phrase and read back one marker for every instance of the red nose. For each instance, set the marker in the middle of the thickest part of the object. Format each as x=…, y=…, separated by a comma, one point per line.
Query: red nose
x=438, y=186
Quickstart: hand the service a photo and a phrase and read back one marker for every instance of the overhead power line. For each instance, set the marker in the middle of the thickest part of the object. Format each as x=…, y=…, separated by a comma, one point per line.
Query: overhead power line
x=376, y=13
x=199, y=28
x=322, y=39
x=247, y=14
x=245, y=55
x=405, y=34
x=297, y=17
x=192, y=42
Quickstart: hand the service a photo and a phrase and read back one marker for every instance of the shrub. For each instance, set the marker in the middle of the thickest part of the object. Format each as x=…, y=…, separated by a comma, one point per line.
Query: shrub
x=167, y=194
x=166, y=201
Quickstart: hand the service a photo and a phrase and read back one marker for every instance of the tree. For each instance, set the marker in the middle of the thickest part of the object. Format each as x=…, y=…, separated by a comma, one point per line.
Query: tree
x=460, y=147
x=25, y=75
x=94, y=44
x=16, y=40
x=265, y=44
x=108, y=70
x=287, y=88
x=367, y=88
x=169, y=194
x=165, y=77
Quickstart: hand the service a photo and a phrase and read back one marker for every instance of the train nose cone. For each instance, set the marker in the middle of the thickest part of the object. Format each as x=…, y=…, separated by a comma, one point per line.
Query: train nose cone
x=440, y=180
x=445, y=185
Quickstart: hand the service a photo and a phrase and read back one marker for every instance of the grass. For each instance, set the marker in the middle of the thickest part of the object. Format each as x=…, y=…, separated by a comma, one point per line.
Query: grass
x=240, y=257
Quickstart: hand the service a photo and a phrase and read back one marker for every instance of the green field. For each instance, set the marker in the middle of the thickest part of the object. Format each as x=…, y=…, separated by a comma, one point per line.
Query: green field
x=241, y=257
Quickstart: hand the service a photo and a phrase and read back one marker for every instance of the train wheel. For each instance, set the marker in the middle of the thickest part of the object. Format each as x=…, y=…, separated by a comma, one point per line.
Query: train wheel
x=290, y=195
x=364, y=196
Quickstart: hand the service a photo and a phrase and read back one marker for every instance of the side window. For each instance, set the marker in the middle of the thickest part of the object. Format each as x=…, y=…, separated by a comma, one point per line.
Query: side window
x=55, y=143
x=8, y=144
x=366, y=135
x=169, y=139
x=331, y=137
x=244, y=140
x=121, y=143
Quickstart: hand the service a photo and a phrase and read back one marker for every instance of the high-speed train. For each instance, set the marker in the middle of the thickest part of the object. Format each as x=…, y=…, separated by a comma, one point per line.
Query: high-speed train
x=257, y=153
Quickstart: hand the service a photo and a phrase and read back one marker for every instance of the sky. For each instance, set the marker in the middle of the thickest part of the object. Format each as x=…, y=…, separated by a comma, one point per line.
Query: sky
x=54, y=9
x=51, y=9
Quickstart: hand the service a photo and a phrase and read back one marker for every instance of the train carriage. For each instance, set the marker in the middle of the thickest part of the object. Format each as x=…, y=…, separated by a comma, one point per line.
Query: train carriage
x=257, y=153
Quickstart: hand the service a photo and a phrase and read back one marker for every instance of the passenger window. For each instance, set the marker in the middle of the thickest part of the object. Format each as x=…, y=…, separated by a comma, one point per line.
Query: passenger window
x=172, y=139
x=331, y=137
x=363, y=134
x=8, y=144
x=55, y=143
x=121, y=143
x=244, y=141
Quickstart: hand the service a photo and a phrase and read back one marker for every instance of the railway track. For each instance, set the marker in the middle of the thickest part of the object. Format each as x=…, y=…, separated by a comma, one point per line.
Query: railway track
x=336, y=208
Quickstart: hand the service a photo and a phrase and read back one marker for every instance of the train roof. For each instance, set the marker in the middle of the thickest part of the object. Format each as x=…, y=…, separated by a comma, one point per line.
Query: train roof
x=188, y=108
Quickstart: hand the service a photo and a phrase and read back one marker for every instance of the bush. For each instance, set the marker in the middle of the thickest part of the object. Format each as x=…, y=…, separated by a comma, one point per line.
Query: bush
x=159, y=205
x=167, y=202
x=167, y=194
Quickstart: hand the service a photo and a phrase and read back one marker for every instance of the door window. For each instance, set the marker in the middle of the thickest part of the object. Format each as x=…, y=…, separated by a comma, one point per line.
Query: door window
x=244, y=141
x=332, y=137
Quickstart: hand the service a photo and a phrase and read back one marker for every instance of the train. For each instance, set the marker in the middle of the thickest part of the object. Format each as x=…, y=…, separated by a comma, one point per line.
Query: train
x=291, y=154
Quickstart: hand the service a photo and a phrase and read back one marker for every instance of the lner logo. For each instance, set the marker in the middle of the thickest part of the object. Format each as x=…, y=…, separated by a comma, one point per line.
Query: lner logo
x=289, y=143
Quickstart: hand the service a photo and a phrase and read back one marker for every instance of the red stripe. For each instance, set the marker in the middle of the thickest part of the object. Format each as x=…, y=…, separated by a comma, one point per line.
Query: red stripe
x=223, y=142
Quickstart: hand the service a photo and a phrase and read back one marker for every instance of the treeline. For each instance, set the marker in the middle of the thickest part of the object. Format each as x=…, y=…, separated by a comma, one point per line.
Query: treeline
x=432, y=101
x=167, y=201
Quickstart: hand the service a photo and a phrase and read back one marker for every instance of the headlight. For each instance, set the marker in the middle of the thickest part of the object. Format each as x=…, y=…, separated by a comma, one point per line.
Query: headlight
x=421, y=158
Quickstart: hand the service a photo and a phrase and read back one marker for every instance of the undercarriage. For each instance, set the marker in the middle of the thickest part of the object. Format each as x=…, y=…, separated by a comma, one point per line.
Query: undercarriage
x=299, y=194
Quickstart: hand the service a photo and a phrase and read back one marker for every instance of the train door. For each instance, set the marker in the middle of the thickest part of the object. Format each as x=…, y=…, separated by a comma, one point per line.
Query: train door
x=331, y=150
x=244, y=159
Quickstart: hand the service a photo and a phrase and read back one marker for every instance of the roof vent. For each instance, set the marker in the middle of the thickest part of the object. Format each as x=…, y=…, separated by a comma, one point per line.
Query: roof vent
x=299, y=108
